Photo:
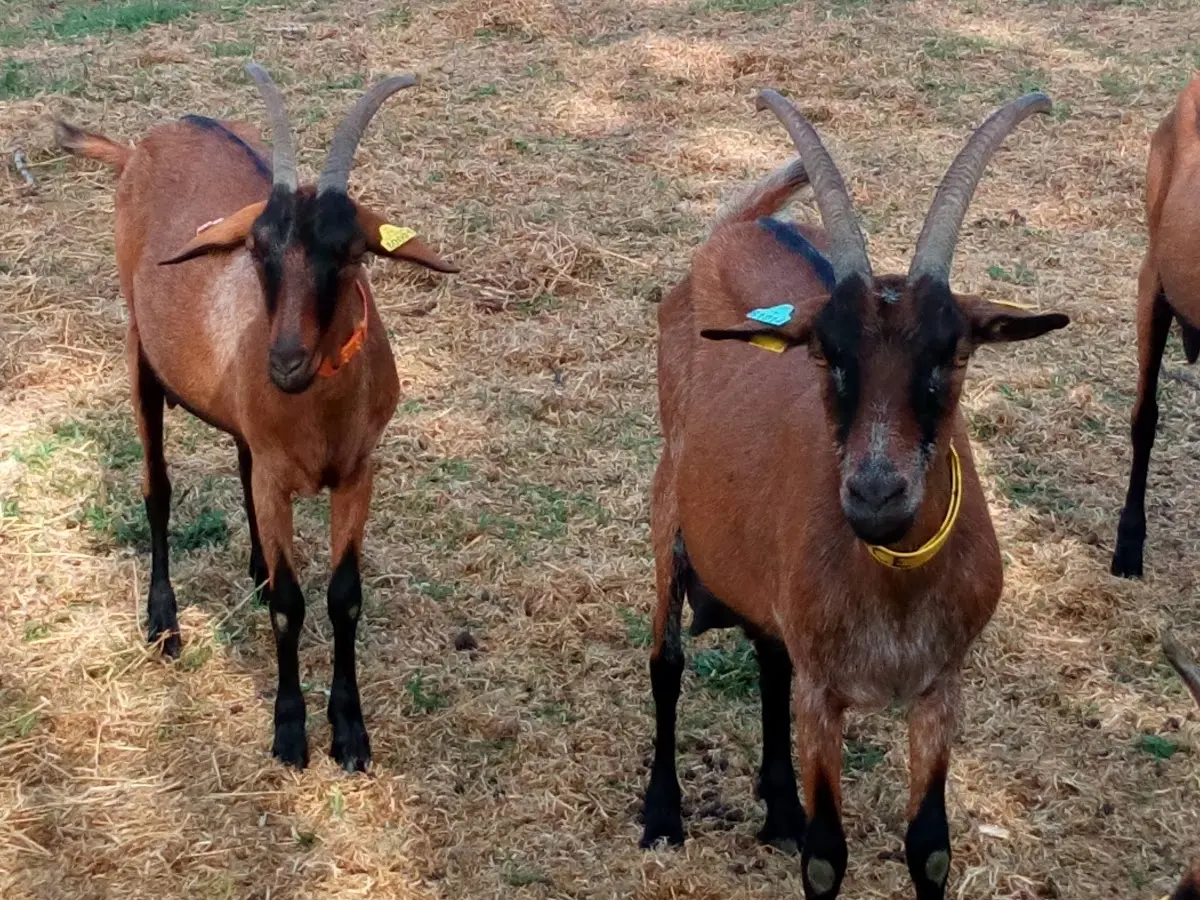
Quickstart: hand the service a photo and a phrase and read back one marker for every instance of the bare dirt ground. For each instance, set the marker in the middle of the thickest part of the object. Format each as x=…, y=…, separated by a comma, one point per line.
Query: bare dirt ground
x=569, y=155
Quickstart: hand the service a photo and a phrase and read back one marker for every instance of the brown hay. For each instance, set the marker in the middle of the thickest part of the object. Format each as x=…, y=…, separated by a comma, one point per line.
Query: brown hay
x=569, y=155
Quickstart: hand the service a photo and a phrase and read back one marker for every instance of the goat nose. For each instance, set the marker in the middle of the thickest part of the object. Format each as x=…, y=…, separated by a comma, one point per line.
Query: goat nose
x=876, y=489
x=288, y=361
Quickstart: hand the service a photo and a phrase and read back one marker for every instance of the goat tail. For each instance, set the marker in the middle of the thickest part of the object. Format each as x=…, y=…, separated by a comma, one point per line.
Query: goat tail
x=1191, y=340
x=94, y=146
x=768, y=196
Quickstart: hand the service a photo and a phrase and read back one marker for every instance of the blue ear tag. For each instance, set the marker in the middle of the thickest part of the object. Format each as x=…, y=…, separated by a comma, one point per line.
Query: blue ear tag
x=775, y=316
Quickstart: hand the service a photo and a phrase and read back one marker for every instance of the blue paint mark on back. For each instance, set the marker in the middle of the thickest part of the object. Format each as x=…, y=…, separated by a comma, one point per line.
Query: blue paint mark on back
x=792, y=238
x=208, y=124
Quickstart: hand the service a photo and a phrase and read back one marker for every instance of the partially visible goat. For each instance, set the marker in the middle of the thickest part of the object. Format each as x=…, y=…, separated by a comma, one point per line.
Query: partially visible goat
x=1189, y=887
x=817, y=488
x=1168, y=290
x=250, y=307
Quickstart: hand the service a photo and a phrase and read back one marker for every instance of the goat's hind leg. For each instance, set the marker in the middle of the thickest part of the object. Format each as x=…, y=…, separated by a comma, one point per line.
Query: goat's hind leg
x=784, y=828
x=1154, y=317
x=662, y=813
x=162, y=622
x=258, y=562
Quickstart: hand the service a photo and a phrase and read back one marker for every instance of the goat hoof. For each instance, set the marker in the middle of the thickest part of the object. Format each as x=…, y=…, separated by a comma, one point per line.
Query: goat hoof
x=351, y=747
x=784, y=831
x=662, y=826
x=291, y=745
x=1127, y=562
x=168, y=634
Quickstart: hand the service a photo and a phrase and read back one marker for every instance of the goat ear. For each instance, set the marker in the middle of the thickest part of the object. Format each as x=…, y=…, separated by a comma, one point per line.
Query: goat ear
x=384, y=239
x=777, y=339
x=223, y=234
x=1000, y=323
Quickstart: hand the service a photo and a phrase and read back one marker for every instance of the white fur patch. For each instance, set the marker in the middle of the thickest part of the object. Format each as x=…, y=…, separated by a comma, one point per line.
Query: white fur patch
x=229, y=312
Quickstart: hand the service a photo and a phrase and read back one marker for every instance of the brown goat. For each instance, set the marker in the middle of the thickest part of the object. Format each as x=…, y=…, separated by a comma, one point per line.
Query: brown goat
x=1168, y=290
x=784, y=475
x=1189, y=887
x=250, y=307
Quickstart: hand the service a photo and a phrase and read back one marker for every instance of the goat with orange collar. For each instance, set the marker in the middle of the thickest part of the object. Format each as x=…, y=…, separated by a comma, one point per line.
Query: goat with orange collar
x=261, y=322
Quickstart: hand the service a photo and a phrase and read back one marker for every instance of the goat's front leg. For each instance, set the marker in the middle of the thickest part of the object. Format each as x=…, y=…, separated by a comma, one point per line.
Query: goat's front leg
x=348, y=514
x=273, y=512
x=932, y=723
x=819, y=720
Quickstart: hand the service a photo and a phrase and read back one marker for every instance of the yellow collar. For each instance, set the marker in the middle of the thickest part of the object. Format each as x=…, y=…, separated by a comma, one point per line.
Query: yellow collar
x=914, y=559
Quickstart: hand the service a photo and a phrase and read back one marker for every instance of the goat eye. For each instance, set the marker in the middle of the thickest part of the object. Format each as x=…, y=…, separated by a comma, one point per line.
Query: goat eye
x=963, y=357
x=814, y=351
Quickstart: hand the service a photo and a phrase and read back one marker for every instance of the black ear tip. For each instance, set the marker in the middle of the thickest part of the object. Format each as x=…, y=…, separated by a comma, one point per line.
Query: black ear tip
x=1060, y=320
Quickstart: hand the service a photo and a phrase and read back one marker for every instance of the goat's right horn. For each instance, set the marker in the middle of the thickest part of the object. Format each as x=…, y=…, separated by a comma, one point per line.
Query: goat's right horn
x=1179, y=661
x=939, y=234
x=284, y=165
x=847, y=251
x=336, y=174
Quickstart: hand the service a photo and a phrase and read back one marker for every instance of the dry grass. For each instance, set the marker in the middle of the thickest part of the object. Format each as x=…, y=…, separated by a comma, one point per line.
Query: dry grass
x=569, y=154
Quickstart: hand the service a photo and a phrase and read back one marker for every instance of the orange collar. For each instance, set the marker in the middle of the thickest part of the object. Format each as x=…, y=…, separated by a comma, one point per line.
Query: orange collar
x=354, y=343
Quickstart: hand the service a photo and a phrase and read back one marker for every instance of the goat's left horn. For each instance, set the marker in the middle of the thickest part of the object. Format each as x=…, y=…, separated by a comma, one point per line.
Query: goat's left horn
x=939, y=234
x=1179, y=661
x=847, y=250
x=336, y=174
x=284, y=164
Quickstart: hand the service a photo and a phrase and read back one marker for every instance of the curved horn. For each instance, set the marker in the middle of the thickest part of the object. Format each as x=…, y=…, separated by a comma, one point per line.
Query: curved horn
x=336, y=174
x=939, y=234
x=284, y=165
x=847, y=252
x=1179, y=661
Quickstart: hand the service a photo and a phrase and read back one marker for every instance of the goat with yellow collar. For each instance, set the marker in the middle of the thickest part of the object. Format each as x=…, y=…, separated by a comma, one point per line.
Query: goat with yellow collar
x=817, y=489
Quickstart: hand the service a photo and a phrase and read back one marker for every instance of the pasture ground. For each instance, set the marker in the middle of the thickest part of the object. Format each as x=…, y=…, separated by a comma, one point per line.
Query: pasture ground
x=569, y=154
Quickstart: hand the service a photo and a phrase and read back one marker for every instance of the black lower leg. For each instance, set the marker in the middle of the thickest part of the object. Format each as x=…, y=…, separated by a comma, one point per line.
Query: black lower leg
x=162, y=621
x=287, y=620
x=258, y=563
x=351, y=748
x=662, y=812
x=927, y=844
x=824, y=859
x=1131, y=531
x=785, y=823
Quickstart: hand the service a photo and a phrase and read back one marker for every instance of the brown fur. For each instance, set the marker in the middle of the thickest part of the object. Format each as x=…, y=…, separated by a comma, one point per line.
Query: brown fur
x=200, y=335
x=1168, y=288
x=750, y=487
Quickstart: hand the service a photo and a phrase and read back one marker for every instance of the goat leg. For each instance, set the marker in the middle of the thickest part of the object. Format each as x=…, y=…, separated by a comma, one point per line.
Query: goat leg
x=1154, y=317
x=932, y=722
x=819, y=722
x=162, y=623
x=349, y=505
x=273, y=512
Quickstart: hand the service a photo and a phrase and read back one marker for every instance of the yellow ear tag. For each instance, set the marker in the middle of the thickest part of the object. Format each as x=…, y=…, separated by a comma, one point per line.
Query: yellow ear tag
x=769, y=342
x=392, y=236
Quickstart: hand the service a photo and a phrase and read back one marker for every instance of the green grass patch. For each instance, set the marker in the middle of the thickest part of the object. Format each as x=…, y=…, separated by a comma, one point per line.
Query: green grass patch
x=231, y=49
x=1018, y=274
x=954, y=47
x=732, y=672
x=424, y=697
x=637, y=628
x=1157, y=746
x=862, y=756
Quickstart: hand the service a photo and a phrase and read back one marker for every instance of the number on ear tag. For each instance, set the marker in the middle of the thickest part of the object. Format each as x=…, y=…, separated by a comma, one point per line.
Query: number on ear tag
x=392, y=236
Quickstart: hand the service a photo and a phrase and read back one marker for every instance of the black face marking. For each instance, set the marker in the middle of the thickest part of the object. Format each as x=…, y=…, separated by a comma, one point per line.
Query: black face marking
x=838, y=331
x=325, y=227
x=940, y=328
x=260, y=165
